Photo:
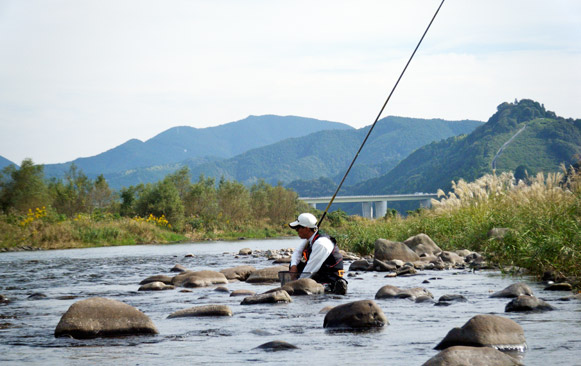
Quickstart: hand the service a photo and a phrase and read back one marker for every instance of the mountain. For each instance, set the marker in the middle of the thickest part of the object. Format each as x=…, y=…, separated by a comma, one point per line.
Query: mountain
x=521, y=134
x=5, y=162
x=181, y=143
x=329, y=153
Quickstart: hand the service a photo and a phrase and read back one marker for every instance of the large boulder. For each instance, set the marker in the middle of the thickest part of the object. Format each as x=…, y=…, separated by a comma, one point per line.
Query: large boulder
x=422, y=244
x=304, y=286
x=240, y=273
x=386, y=250
x=514, y=290
x=204, y=310
x=102, y=317
x=279, y=296
x=451, y=257
x=266, y=275
x=473, y=356
x=199, y=279
x=486, y=331
x=525, y=303
x=356, y=315
x=393, y=292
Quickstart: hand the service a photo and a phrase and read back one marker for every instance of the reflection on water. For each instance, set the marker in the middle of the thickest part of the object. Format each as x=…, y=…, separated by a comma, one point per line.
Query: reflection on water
x=63, y=277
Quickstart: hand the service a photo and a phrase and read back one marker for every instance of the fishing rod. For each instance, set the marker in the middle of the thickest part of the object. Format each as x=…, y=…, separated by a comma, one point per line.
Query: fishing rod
x=378, y=115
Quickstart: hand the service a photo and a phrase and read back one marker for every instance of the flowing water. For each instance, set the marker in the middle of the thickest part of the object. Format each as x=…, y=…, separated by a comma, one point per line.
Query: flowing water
x=57, y=279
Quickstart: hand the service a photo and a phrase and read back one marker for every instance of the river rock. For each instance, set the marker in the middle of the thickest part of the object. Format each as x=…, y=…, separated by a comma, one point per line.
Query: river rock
x=451, y=257
x=452, y=298
x=102, y=317
x=422, y=244
x=525, y=303
x=199, y=279
x=242, y=293
x=381, y=266
x=355, y=315
x=266, y=275
x=360, y=265
x=245, y=251
x=178, y=268
x=4, y=300
x=473, y=356
x=240, y=273
x=204, y=310
x=486, y=331
x=563, y=286
x=274, y=346
x=157, y=278
x=386, y=250
x=393, y=292
x=304, y=286
x=280, y=296
x=156, y=286
x=514, y=290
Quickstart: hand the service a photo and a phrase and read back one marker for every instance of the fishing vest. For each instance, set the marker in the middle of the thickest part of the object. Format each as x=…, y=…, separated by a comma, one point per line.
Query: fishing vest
x=333, y=265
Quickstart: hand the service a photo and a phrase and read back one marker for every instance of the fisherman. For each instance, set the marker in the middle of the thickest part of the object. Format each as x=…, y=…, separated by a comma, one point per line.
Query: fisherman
x=318, y=256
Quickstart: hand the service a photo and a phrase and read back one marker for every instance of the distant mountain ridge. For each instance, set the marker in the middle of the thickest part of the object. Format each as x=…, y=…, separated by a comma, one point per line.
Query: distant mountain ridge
x=545, y=143
x=329, y=153
x=181, y=143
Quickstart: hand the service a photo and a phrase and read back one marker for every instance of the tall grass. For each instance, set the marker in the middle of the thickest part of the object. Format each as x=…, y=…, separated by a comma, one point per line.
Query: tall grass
x=543, y=218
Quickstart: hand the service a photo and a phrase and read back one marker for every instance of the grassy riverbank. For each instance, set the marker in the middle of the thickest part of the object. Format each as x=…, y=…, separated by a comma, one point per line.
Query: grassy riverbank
x=543, y=222
x=543, y=218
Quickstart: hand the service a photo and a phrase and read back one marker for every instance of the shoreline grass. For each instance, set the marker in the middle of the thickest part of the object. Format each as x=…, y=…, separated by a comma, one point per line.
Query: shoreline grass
x=543, y=219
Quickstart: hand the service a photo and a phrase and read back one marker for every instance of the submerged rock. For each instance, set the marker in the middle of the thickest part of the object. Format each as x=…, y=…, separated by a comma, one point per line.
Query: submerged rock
x=280, y=296
x=563, y=286
x=102, y=317
x=486, y=331
x=393, y=292
x=527, y=303
x=240, y=273
x=473, y=356
x=199, y=279
x=266, y=275
x=514, y=290
x=304, y=286
x=356, y=315
x=157, y=278
x=156, y=286
x=204, y=310
x=276, y=346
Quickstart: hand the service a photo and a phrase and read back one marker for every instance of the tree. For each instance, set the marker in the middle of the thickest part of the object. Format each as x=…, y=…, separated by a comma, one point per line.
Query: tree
x=23, y=188
x=72, y=196
x=201, y=200
x=520, y=173
x=162, y=199
x=101, y=195
x=233, y=201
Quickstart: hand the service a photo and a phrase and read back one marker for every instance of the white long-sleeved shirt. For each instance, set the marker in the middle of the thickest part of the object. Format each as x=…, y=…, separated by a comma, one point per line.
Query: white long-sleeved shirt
x=321, y=250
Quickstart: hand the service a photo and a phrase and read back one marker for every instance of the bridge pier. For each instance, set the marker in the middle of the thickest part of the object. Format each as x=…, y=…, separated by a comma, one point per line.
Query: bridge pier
x=367, y=208
x=313, y=205
x=380, y=209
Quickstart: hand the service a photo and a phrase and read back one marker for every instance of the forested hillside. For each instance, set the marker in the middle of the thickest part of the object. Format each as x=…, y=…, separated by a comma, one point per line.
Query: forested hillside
x=545, y=142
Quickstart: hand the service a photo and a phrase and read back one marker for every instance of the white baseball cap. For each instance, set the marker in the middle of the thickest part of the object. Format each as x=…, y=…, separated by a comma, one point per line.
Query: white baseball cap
x=305, y=219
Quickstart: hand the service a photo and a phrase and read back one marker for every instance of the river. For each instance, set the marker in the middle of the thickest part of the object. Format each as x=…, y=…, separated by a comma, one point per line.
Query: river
x=61, y=277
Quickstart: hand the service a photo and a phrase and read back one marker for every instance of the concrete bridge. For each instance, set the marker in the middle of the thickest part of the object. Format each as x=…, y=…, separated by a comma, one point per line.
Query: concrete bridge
x=373, y=206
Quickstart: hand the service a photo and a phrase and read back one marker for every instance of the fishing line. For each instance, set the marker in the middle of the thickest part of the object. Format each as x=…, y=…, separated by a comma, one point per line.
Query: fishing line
x=379, y=115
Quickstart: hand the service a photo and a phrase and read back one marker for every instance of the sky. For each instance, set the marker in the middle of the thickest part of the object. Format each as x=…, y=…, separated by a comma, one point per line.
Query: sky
x=79, y=77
